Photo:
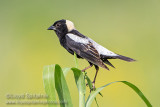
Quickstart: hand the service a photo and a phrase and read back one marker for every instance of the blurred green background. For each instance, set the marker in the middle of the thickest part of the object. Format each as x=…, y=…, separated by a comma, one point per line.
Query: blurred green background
x=127, y=27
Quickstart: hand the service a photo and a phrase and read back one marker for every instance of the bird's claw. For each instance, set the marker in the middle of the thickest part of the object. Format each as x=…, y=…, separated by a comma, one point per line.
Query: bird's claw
x=83, y=70
x=93, y=86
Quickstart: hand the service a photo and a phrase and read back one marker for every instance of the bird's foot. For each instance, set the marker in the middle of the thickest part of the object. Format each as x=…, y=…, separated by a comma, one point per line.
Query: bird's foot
x=83, y=70
x=93, y=86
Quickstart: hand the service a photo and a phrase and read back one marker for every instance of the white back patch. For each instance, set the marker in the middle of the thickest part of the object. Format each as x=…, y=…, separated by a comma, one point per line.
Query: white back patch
x=102, y=50
x=70, y=25
x=77, y=38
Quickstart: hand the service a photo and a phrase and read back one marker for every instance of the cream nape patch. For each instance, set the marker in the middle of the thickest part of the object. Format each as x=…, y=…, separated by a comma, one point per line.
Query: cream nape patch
x=70, y=25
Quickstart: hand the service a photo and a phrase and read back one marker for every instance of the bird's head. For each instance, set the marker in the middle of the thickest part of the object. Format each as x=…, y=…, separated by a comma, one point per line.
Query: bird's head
x=62, y=26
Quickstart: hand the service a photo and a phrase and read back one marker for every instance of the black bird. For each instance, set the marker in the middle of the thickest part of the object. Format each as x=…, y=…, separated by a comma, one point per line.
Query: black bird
x=84, y=47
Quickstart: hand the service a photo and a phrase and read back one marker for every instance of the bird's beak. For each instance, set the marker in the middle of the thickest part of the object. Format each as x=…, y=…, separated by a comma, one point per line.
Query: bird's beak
x=52, y=28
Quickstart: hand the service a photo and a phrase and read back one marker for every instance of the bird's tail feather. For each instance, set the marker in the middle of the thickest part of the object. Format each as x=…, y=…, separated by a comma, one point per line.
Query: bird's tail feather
x=107, y=62
x=125, y=58
x=103, y=65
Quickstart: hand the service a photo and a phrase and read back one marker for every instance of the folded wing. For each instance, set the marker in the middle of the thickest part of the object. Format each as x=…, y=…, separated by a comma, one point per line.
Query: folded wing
x=84, y=48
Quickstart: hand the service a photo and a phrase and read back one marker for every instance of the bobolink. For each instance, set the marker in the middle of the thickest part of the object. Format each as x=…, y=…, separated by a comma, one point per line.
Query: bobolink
x=84, y=47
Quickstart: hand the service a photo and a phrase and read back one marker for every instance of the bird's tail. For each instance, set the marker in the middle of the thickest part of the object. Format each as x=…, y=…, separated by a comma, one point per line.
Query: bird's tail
x=101, y=64
x=107, y=62
x=125, y=58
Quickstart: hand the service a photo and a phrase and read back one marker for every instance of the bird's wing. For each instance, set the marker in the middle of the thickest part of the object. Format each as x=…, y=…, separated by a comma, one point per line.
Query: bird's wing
x=84, y=48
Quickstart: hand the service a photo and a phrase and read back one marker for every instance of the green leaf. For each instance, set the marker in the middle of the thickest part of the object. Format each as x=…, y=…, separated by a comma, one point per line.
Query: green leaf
x=80, y=82
x=94, y=93
x=138, y=92
x=49, y=86
x=65, y=71
x=100, y=94
x=89, y=82
x=96, y=101
x=62, y=88
x=75, y=60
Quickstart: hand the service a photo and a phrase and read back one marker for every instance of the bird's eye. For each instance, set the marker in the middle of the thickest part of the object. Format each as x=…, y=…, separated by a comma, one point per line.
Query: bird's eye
x=58, y=24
